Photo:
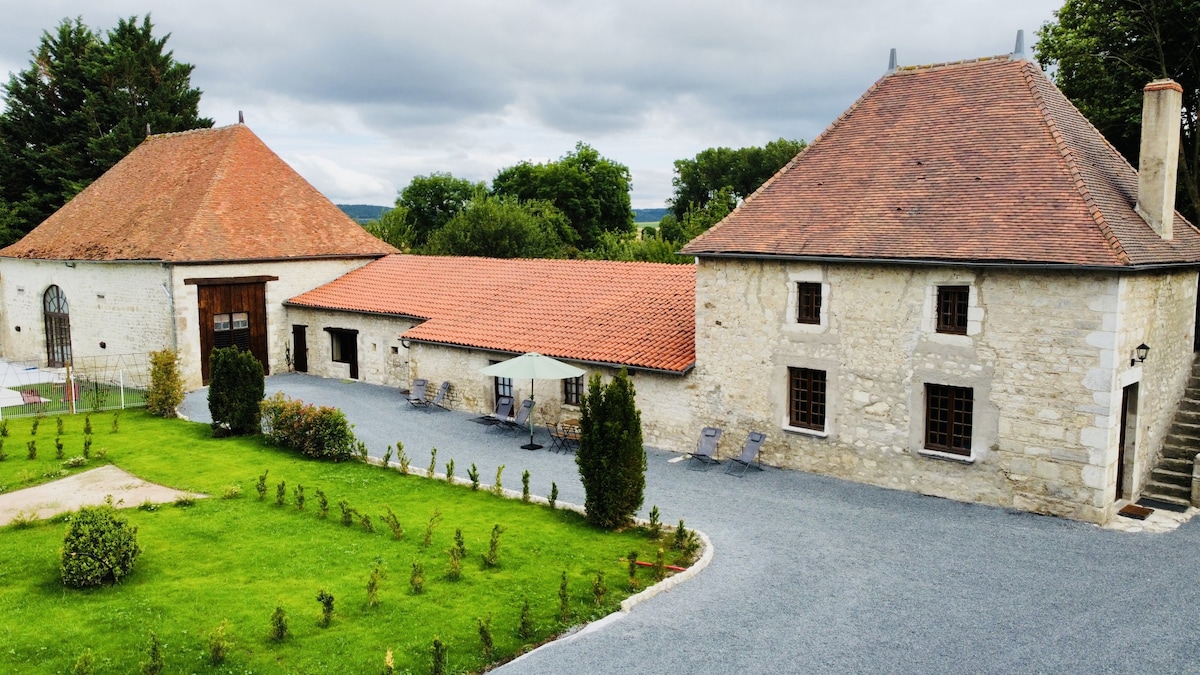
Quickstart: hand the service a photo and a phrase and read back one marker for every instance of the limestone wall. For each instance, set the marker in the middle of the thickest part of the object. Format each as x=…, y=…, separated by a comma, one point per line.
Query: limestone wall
x=381, y=357
x=1038, y=354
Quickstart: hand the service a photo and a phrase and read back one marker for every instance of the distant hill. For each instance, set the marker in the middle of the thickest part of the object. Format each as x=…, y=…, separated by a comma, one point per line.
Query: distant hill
x=649, y=215
x=361, y=213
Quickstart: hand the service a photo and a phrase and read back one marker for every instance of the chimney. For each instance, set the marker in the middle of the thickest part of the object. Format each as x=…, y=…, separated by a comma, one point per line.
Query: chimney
x=1158, y=162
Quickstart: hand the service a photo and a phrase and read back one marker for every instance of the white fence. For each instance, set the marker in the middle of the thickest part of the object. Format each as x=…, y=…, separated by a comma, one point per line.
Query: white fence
x=89, y=384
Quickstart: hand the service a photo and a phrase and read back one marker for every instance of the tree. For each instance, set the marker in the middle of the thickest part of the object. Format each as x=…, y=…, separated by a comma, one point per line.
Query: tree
x=81, y=106
x=591, y=190
x=741, y=171
x=502, y=227
x=393, y=227
x=235, y=392
x=431, y=201
x=611, y=459
x=1106, y=51
x=697, y=219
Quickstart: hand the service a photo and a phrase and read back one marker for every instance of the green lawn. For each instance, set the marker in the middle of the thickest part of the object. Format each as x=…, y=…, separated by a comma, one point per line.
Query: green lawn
x=237, y=559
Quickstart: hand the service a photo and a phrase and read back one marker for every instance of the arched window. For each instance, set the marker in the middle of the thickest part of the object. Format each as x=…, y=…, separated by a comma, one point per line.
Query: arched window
x=58, y=327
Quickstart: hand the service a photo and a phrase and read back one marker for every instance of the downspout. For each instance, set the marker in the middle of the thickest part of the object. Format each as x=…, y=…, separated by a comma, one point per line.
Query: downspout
x=171, y=303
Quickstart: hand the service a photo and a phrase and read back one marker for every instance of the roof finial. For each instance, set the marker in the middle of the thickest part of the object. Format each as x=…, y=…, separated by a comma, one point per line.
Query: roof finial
x=241, y=120
x=1019, y=50
x=147, y=129
x=892, y=61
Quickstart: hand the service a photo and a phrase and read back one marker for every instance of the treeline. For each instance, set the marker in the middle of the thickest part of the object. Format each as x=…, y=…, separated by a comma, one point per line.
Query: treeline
x=575, y=207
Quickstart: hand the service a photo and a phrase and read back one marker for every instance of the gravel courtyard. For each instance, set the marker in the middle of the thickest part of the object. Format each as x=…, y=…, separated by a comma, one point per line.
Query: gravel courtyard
x=818, y=575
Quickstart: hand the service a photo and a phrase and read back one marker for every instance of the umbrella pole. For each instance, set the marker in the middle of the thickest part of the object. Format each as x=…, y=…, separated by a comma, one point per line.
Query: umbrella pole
x=532, y=445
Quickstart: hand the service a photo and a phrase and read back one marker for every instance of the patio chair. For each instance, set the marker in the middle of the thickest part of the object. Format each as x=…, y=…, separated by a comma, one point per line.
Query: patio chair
x=703, y=457
x=749, y=451
x=558, y=436
x=502, y=413
x=521, y=421
x=416, y=397
x=439, y=401
x=31, y=397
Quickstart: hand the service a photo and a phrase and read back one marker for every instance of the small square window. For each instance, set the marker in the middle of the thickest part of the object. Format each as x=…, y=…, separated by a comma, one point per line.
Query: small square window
x=808, y=302
x=952, y=304
x=806, y=398
x=948, y=418
x=572, y=390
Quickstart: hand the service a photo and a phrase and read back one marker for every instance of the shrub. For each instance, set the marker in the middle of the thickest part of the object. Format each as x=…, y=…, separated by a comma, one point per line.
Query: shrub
x=472, y=473
x=154, y=660
x=633, y=565
x=31, y=448
x=564, y=600
x=87, y=425
x=492, y=557
x=166, y=384
x=58, y=423
x=553, y=494
x=99, y=547
x=87, y=446
x=235, y=391
x=655, y=524
x=85, y=664
x=660, y=568
x=116, y=423
x=450, y=472
x=184, y=501
x=281, y=493
x=598, y=589
x=377, y=575
x=261, y=485
x=389, y=663
x=58, y=448
x=459, y=543
x=232, y=492
x=525, y=625
x=432, y=463
x=321, y=432
x=486, y=644
x=392, y=522
x=362, y=451
x=365, y=521
x=348, y=512
x=322, y=503
x=611, y=459
x=3, y=428
x=3, y=455
x=438, y=652
x=34, y=426
x=218, y=645
x=417, y=578
x=498, y=487
x=525, y=486
x=434, y=520
x=387, y=457
x=279, y=625
x=455, y=571
x=402, y=458
x=326, y=600
x=681, y=536
x=298, y=491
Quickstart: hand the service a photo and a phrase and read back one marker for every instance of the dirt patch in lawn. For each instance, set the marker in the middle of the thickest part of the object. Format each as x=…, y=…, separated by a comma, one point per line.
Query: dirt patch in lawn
x=84, y=489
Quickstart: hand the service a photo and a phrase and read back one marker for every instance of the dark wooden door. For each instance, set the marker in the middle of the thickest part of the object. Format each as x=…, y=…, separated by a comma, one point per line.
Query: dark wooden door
x=299, y=348
x=232, y=314
x=1127, y=442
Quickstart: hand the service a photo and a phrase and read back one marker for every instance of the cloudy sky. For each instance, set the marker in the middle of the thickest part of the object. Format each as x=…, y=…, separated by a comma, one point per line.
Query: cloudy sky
x=361, y=96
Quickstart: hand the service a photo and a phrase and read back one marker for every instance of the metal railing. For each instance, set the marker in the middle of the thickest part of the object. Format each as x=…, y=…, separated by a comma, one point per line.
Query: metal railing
x=89, y=384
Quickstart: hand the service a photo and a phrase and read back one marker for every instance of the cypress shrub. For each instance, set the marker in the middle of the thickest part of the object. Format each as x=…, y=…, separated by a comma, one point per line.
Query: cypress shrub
x=235, y=392
x=611, y=459
x=166, y=385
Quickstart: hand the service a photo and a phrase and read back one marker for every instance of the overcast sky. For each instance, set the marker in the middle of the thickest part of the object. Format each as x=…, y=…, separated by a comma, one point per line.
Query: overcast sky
x=361, y=96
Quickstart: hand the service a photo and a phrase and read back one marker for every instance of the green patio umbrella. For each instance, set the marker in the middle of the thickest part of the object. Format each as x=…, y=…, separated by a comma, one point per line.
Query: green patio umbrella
x=535, y=367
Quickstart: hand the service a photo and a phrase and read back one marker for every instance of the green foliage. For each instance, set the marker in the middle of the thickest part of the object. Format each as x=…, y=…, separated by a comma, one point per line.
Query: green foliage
x=235, y=391
x=393, y=522
x=322, y=503
x=416, y=579
x=31, y=448
x=525, y=625
x=326, y=600
x=321, y=432
x=3, y=455
x=166, y=384
x=553, y=494
x=85, y=664
x=486, y=644
x=153, y=665
x=564, y=600
x=116, y=422
x=454, y=573
x=599, y=589
x=432, y=463
x=33, y=427
x=281, y=493
x=628, y=248
x=82, y=104
x=472, y=473
x=402, y=458
x=58, y=423
x=660, y=569
x=348, y=512
x=460, y=543
x=681, y=536
x=655, y=527
x=429, y=202
x=298, y=492
x=525, y=486
x=611, y=459
x=632, y=560
x=261, y=485
x=502, y=227
x=87, y=425
x=492, y=557
x=697, y=219
x=218, y=644
x=498, y=487
x=393, y=228
x=741, y=171
x=590, y=190
x=231, y=492
x=279, y=625
x=450, y=472
x=438, y=652
x=387, y=457
x=377, y=575
x=87, y=446
x=430, y=526
x=99, y=548
x=364, y=521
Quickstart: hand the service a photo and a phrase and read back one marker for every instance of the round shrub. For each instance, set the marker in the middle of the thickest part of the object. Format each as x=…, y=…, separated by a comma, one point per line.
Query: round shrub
x=99, y=547
x=316, y=431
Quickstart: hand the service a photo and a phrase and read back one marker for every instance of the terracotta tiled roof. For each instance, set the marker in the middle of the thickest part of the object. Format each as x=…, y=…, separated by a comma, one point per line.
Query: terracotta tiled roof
x=981, y=161
x=204, y=195
x=637, y=314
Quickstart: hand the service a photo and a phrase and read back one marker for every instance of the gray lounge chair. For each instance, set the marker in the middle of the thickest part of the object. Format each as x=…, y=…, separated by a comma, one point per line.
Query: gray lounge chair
x=749, y=451
x=522, y=418
x=703, y=457
x=416, y=397
x=440, y=400
x=503, y=412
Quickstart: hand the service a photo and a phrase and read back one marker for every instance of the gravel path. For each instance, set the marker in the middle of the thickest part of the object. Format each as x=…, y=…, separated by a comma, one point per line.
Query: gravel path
x=818, y=575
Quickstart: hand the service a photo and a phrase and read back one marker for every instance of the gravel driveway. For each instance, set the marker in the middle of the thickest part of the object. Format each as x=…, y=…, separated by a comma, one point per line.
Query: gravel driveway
x=818, y=575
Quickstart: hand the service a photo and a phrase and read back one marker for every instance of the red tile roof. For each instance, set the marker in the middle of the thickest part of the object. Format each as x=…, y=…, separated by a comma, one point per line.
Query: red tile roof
x=981, y=161
x=204, y=195
x=637, y=314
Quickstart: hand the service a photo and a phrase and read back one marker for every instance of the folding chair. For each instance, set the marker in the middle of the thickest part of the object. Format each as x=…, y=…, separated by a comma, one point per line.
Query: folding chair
x=704, y=454
x=440, y=400
x=749, y=451
x=558, y=437
x=416, y=398
x=502, y=413
x=522, y=418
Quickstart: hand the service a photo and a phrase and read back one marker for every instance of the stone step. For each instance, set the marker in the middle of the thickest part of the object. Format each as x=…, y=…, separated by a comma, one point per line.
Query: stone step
x=1161, y=491
x=1190, y=401
x=1160, y=474
x=1167, y=498
x=1176, y=464
x=1188, y=416
x=1189, y=433
x=1178, y=449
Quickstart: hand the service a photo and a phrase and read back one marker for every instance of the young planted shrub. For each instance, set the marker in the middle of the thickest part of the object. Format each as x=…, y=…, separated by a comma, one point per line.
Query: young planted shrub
x=438, y=652
x=365, y=521
x=525, y=486
x=3, y=454
x=3, y=428
x=348, y=512
x=454, y=573
x=498, y=487
x=85, y=664
x=487, y=646
x=87, y=446
x=31, y=449
x=58, y=448
x=116, y=423
x=432, y=463
x=633, y=565
x=166, y=384
x=564, y=600
x=232, y=492
x=33, y=428
x=599, y=589
x=473, y=474
x=553, y=494
x=492, y=557
x=611, y=459
x=218, y=644
x=434, y=520
x=459, y=543
x=87, y=425
x=377, y=575
x=298, y=493
x=387, y=457
x=655, y=523
x=314, y=431
x=660, y=567
x=322, y=503
x=361, y=448
x=450, y=472
x=261, y=485
x=279, y=625
x=154, y=656
x=681, y=537
x=58, y=423
x=525, y=625
x=235, y=391
x=402, y=458
x=417, y=578
x=281, y=493
x=99, y=548
x=326, y=600
x=392, y=522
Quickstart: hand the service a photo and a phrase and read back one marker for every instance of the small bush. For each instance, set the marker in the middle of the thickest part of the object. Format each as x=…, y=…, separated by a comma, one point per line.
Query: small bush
x=75, y=463
x=361, y=448
x=261, y=486
x=281, y=493
x=184, y=501
x=498, y=487
x=235, y=392
x=553, y=494
x=655, y=528
x=218, y=644
x=319, y=432
x=564, y=600
x=392, y=522
x=402, y=458
x=432, y=463
x=472, y=473
x=417, y=579
x=31, y=449
x=365, y=521
x=279, y=625
x=525, y=486
x=525, y=625
x=492, y=557
x=660, y=568
x=58, y=423
x=599, y=589
x=58, y=448
x=487, y=645
x=33, y=428
x=681, y=535
x=633, y=565
x=99, y=548
x=459, y=543
x=116, y=423
x=348, y=512
x=166, y=384
x=87, y=446
x=3, y=428
x=438, y=652
x=377, y=575
x=231, y=492
x=326, y=600
x=154, y=656
x=454, y=573
x=450, y=472
x=389, y=663
x=85, y=664
x=611, y=459
x=387, y=457
x=434, y=520
x=322, y=503
x=87, y=425
x=298, y=493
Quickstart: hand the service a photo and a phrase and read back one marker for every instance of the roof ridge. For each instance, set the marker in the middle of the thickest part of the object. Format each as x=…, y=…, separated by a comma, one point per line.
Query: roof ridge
x=198, y=130
x=960, y=62
x=1069, y=158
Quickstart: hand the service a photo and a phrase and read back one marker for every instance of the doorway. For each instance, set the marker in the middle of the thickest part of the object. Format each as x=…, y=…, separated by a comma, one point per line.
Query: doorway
x=300, y=348
x=1127, y=444
x=343, y=348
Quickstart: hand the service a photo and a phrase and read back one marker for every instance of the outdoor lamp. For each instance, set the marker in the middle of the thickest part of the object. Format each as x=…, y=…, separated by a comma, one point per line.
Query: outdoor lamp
x=1141, y=351
x=404, y=343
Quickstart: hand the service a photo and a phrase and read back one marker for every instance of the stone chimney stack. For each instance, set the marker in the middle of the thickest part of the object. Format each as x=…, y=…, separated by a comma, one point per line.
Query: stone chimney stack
x=1158, y=162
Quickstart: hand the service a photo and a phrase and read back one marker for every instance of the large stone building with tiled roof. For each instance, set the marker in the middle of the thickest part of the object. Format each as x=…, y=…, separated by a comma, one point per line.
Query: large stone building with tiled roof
x=194, y=240
x=946, y=292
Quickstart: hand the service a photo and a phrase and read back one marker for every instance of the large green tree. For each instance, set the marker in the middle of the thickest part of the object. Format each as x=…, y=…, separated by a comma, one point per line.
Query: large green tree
x=1107, y=50
x=429, y=202
x=740, y=171
x=502, y=227
x=611, y=459
x=591, y=190
x=84, y=102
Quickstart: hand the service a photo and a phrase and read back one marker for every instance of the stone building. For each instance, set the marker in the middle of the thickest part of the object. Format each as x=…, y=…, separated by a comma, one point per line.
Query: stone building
x=945, y=293
x=444, y=318
x=194, y=240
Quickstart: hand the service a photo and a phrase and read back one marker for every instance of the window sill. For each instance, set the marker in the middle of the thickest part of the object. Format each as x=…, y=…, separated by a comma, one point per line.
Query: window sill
x=805, y=432
x=950, y=456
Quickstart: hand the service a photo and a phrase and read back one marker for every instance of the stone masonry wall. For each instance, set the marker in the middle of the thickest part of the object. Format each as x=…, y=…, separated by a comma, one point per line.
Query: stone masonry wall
x=381, y=357
x=1038, y=356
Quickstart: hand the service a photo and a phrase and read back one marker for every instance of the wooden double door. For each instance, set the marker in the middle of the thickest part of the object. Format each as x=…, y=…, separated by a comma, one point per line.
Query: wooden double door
x=232, y=313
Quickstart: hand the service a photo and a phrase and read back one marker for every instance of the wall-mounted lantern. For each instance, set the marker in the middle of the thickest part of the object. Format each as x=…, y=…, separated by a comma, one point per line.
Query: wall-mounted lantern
x=1141, y=352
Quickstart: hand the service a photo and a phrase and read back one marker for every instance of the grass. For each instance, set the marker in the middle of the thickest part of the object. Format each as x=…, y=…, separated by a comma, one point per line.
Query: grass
x=237, y=559
x=93, y=396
